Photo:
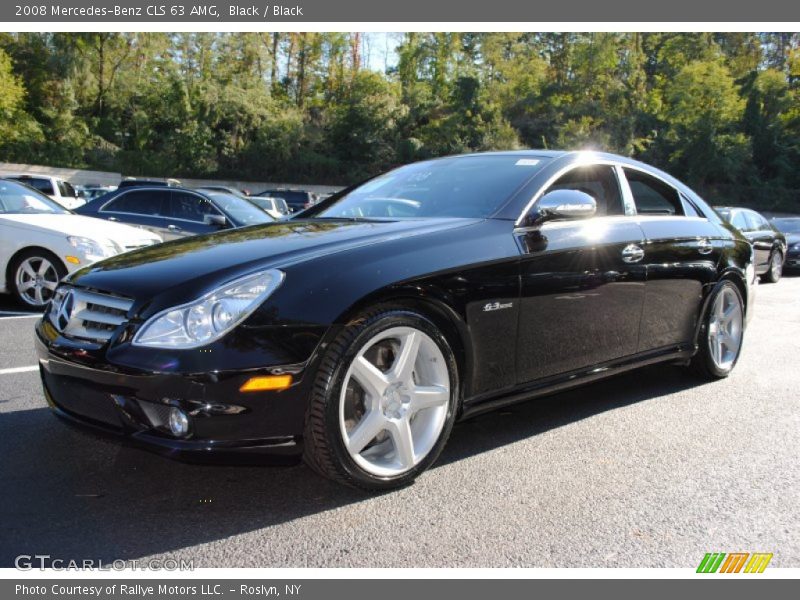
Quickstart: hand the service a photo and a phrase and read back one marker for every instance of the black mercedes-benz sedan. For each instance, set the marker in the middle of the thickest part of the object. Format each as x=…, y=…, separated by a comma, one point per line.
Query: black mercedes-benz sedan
x=358, y=334
x=769, y=244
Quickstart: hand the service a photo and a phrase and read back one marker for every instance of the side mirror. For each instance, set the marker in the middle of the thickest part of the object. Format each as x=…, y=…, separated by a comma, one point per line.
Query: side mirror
x=564, y=204
x=217, y=220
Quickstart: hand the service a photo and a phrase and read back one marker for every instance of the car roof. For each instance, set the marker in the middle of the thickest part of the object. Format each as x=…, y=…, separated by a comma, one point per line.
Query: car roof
x=108, y=196
x=31, y=176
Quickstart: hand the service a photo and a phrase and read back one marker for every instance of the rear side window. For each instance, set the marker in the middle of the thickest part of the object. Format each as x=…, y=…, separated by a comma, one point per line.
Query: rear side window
x=191, y=207
x=142, y=202
x=739, y=221
x=688, y=208
x=43, y=185
x=600, y=182
x=652, y=196
x=756, y=222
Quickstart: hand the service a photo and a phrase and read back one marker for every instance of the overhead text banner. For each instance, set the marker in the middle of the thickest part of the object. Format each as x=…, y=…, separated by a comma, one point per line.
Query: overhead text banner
x=326, y=11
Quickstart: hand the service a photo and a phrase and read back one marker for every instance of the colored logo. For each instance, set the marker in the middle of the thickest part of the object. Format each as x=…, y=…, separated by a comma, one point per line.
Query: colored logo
x=734, y=562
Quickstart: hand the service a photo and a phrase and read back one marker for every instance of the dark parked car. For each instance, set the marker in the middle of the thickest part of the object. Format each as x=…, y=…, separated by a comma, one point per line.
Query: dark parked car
x=296, y=199
x=790, y=227
x=357, y=341
x=174, y=212
x=768, y=242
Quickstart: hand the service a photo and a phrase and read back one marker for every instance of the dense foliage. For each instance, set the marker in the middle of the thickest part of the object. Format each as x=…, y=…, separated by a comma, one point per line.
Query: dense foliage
x=720, y=110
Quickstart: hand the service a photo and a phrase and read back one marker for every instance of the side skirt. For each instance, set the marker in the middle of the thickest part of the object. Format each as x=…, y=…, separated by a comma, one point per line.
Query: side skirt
x=557, y=383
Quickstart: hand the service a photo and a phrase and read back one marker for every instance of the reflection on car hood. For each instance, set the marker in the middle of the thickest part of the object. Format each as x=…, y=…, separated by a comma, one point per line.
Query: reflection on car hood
x=201, y=262
x=78, y=225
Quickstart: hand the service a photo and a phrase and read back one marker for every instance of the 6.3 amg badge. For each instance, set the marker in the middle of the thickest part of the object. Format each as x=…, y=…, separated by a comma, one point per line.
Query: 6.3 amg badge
x=497, y=306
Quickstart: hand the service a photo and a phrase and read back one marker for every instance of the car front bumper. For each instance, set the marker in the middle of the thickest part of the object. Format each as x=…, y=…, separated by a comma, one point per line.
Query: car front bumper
x=135, y=405
x=792, y=260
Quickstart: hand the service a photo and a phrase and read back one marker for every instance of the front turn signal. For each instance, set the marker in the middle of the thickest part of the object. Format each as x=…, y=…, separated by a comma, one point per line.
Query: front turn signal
x=266, y=383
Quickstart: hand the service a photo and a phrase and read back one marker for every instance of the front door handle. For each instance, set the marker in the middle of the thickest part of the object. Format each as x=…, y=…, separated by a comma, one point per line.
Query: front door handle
x=632, y=253
x=704, y=246
x=173, y=228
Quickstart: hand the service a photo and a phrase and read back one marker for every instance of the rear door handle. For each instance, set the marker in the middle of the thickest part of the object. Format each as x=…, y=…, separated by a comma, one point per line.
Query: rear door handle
x=704, y=246
x=113, y=219
x=173, y=228
x=632, y=253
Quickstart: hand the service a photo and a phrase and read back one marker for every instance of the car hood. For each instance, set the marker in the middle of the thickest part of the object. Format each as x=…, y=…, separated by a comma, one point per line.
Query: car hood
x=186, y=268
x=78, y=225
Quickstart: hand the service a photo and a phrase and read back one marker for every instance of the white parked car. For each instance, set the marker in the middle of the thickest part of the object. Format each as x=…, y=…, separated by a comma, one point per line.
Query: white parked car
x=57, y=189
x=275, y=207
x=40, y=242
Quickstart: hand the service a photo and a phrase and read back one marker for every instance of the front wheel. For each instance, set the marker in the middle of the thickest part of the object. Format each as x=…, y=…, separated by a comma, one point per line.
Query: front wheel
x=775, y=268
x=35, y=275
x=722, y=332
x=384, y=401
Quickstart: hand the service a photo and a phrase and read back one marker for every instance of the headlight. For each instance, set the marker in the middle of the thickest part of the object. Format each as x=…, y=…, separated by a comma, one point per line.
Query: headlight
x=92, y=250
x=210, y=317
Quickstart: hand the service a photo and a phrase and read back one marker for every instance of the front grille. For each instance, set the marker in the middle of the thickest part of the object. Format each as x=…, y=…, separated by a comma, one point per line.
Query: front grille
x=86, y=315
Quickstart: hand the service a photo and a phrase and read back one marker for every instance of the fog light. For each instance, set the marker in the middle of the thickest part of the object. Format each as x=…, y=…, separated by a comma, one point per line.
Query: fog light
x=178, y=422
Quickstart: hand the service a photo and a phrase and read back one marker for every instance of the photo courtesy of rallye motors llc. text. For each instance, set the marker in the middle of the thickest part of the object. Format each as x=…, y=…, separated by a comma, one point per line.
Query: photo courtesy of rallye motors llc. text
x=145, y=591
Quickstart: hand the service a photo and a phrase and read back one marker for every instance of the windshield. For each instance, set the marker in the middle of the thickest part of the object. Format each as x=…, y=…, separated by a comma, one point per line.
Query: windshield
x=240, y=210
x=791, y=225
x=467, y=186
x=20, y=199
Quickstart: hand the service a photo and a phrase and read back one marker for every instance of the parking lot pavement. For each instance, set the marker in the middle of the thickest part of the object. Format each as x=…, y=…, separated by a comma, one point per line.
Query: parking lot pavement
x=649, y=469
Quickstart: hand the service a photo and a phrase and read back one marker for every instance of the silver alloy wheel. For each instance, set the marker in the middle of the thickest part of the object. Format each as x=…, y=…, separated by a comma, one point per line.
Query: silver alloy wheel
x=36, y=280
x=776, y=266
x=725, y=329
x=394, y=401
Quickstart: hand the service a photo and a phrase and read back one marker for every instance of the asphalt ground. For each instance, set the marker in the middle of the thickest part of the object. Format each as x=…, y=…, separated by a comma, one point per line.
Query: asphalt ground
x=649, y=469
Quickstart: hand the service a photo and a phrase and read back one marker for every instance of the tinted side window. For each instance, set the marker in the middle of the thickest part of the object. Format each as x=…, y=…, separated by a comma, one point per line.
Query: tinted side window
x=144, y=202
x=43, y=185
x=600, y=182
x=739, y=221
x=688, y=208
x=652, y=196
x=191, y=207
x=757, y=222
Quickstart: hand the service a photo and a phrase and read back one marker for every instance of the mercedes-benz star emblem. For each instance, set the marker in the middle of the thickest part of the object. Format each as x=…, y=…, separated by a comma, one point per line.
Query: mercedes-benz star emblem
x=65, y=311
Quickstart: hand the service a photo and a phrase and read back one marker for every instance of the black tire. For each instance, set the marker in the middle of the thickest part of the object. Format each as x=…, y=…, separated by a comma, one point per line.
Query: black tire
x=774, y=273
x=702, y=363
x=324, y=448
x=15, y=263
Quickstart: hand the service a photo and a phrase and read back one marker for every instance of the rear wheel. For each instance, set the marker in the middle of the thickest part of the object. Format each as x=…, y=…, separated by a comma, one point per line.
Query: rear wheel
x=722, y=332
x=34, y=277
x=384, y=402
x=775, y=268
